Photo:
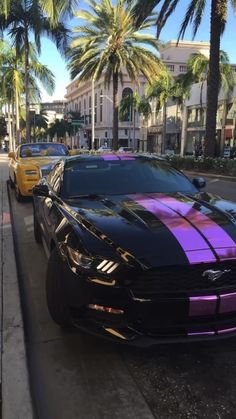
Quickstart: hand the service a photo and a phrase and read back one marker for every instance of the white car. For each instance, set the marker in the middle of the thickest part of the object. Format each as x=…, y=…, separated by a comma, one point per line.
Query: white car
x=125, y=150
x=104, y=148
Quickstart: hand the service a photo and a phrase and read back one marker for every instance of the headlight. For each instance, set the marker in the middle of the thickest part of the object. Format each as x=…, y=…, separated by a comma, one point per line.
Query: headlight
x=78, y=259
x=31, y=172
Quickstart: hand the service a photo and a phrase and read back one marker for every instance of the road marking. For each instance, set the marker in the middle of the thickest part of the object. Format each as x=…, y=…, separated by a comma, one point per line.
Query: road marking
x=29, y=222
x=213, y=181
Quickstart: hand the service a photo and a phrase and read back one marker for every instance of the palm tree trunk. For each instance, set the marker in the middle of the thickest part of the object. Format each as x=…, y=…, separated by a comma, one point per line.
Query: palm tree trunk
x=13, y=124
x=164, y=130
x=9, y=126
x=134, y=128
x=27, y=105
x=115, y=111
x=17, y=116
x=223, y=124
x=213, y=78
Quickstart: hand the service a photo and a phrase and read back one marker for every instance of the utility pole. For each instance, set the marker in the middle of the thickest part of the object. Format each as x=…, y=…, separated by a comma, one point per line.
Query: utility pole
x=93, y=115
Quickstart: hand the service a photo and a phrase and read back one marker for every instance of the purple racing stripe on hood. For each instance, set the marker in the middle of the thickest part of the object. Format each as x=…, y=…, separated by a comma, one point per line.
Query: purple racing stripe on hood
x=219, y=240
x=108, y=157
x=193, y=244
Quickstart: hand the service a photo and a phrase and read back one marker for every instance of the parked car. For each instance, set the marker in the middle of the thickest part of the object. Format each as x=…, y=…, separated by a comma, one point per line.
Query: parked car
x=104, y=148
x=30, y=162
x=137, y=253
x=125, y=150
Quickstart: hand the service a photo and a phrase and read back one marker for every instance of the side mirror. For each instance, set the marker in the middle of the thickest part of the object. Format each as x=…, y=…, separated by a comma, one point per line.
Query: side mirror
x=41, y=190
x=11, y=155
x=199, y=182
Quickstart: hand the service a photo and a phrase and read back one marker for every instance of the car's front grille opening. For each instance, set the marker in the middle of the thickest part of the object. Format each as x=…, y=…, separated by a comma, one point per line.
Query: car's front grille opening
x=184, y=279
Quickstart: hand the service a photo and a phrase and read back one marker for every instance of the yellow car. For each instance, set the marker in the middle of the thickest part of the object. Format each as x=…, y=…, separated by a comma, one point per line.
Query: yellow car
x=30, y=162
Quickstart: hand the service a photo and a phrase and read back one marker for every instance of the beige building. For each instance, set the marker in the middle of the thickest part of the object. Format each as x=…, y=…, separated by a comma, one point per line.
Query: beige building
x=79, y=100
x=175, y=56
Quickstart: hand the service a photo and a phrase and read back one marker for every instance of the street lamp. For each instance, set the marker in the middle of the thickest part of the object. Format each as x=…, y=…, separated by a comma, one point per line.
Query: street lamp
x=93, y=115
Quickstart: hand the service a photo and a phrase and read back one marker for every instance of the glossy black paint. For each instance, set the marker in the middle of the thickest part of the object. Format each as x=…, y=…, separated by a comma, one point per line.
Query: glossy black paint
x=116, y=229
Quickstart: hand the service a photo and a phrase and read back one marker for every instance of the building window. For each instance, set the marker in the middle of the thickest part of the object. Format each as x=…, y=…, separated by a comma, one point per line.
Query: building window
x=96, y=107
x=182, y=68
x=101, y=106
x=171, y=67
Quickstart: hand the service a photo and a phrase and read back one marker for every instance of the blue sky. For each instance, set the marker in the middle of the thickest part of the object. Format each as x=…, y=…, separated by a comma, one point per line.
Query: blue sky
x=52, y=58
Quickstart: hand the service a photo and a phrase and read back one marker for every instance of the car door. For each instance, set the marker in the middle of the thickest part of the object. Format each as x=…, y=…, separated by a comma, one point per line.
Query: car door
x=50, y=215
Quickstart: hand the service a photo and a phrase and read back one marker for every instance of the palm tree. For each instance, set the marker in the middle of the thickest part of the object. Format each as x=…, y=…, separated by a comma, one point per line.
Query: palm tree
x=53, y=8
x=13, y=78
x=23, y=18
x=161, y=90
x=194, y=14
x=198, y=71
x=109, y=43
x=136, y=104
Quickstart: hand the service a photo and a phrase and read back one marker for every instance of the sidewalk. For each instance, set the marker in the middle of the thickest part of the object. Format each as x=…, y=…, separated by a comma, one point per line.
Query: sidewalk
x=191, y=173
x=16, y=399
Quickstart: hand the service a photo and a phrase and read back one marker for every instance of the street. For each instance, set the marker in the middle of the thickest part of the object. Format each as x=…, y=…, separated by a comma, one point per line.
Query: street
x=74, y=375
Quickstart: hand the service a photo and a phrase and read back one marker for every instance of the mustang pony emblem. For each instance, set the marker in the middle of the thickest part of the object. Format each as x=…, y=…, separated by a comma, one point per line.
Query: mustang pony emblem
x=214, y=275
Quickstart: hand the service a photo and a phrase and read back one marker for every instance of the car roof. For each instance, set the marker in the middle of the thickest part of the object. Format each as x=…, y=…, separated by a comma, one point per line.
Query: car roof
x=100, y=156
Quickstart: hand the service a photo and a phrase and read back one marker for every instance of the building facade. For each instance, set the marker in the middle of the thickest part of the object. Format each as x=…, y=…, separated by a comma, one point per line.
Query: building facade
x=175, y=57
x=79, y=100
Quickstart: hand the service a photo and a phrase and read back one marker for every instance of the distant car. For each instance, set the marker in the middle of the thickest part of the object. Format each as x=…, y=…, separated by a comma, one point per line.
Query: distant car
x=137, y=253
x=104, y=148
x=30, y=162
x=125, y=150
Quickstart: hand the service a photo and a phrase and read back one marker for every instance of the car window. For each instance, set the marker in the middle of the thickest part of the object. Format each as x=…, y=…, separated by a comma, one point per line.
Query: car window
x=123, y=177
x=45, y=149
x=55, y=178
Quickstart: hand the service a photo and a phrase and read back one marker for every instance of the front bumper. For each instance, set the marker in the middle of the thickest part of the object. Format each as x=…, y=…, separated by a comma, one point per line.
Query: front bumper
x=26, y=186
x=149, y=317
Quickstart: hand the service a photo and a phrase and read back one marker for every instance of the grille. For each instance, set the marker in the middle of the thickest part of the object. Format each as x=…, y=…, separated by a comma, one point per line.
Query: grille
x=184, y=279
x=45, y=172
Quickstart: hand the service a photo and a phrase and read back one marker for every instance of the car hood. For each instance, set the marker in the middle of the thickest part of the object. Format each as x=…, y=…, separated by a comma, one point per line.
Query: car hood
x=162, y=229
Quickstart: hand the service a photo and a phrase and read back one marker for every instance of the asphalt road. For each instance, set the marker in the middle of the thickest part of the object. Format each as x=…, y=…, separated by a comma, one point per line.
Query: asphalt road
x=76, y=376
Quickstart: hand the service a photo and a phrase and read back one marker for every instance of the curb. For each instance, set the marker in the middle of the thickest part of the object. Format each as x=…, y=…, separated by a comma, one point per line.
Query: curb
x=16, y=396
x=210, y=175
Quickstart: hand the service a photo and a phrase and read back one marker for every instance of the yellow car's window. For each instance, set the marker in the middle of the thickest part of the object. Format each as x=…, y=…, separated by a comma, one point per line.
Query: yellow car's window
x=45, y=149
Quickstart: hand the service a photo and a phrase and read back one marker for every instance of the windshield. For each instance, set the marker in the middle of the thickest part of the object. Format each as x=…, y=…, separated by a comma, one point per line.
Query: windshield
x=98, y=177
x=41, y=150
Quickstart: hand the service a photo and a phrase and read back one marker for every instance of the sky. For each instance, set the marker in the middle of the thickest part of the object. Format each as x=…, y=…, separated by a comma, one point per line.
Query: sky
x=51, y=57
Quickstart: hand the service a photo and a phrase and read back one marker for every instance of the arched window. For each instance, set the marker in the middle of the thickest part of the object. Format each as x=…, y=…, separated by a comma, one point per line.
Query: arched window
x=127, y=91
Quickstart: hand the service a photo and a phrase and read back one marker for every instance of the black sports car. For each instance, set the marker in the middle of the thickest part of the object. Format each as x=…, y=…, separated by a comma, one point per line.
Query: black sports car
x=137, y=252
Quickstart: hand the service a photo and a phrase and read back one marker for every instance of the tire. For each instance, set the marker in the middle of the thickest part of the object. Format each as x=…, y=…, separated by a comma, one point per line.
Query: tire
x=18, y=195
x=37, y=230
x=55, y=291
